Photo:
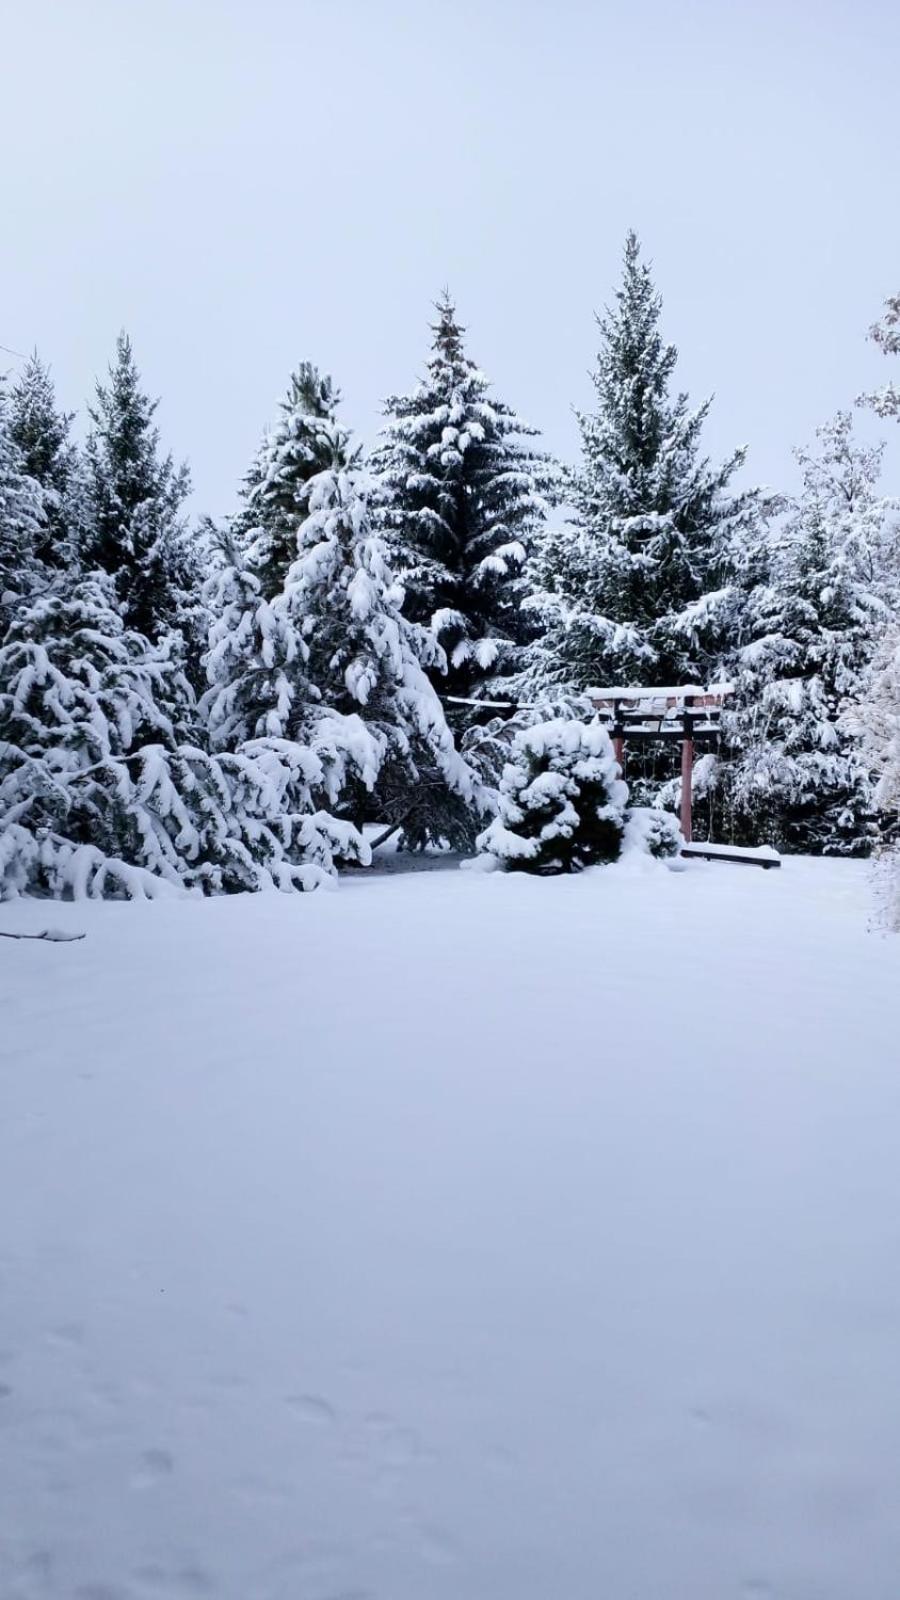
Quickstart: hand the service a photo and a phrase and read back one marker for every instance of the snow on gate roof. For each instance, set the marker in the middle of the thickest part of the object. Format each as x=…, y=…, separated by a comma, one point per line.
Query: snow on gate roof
x=673, y=694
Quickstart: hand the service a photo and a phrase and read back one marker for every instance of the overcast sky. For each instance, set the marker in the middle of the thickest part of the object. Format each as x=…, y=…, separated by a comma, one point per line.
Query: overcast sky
x=244, y=185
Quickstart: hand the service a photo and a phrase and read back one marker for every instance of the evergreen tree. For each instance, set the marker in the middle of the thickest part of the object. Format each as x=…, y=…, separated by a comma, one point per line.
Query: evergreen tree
x=260, y=689
x=105, y=788
x=368, y=663
x=797, y=778
x=307, y=439
x=41, y=432
x=135, y=497
x=79, y=694
x=22, y=523
x=561, y=802
x=463, y=494
x=643, y=586
x=255, y=661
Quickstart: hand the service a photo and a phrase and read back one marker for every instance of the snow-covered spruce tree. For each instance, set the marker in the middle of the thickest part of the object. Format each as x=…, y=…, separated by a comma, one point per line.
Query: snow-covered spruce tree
x=795, y=776
x=135, y=495
x=42, y=433
x=262, y=706
x=104, y=787
x=22, y=523
x=561, y=803
x=79, y=693
x=255, y=658
x=642, y=586
x=462, y=493
x=367, y=663
x=307, y=439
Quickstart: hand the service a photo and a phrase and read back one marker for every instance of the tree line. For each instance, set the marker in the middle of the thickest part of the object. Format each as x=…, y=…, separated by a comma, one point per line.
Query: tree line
x=226, y=707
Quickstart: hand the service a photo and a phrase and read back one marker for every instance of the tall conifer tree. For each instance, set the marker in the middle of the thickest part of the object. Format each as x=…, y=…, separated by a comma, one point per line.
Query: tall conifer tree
x=42, y=433
x=795, y=776
x=306, y=439
x=642, y=585
x=135, y=496
x=368, y=662
x=22, y=523
x=463, y=492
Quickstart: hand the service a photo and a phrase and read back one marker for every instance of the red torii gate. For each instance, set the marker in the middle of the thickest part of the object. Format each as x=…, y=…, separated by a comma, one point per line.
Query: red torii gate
x=686, y=712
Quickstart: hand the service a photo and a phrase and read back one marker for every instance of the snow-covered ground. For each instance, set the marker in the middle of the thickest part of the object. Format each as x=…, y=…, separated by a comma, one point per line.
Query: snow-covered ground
x=454, y=1237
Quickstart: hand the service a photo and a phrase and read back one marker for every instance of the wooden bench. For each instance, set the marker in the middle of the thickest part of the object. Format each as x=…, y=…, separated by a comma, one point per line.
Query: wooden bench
x=748, y=855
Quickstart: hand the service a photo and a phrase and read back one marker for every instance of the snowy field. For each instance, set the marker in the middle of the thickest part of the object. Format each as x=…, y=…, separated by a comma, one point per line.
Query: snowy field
x=454, y=1237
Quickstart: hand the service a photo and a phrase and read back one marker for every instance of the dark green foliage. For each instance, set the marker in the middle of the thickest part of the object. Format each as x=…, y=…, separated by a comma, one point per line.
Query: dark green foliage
x=561, y=801
x=41, y=432
x=463, y=492
x=643, y=586
x=135, y=495
x=307, y=439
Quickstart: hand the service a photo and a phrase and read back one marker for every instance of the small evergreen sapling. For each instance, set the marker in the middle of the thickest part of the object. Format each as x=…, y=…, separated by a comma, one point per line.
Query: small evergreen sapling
x=652, y=832
x=561, y=802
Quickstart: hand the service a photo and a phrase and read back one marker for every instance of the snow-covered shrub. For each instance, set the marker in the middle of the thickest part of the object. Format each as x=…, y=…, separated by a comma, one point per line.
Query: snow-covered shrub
x=652, y=832
x=561, y=801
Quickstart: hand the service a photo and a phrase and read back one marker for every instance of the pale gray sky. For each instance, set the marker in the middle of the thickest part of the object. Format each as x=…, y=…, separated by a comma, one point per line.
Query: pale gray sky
x=243, y=185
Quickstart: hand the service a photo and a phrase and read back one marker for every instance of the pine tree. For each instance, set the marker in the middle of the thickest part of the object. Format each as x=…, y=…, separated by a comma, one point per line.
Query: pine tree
x=561, y=803
x=79, y=694
x=135, y=497
x=106, y=787
x=255, y=661
x=367, y=663
x=463, y=493
x=261, y=692
x=796, y=777
x=307, y=439
x=642, y=587
x=22, y=523
x=42, y=433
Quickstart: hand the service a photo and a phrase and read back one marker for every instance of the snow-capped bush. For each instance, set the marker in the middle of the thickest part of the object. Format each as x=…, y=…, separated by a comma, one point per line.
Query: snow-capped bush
x=561, y=801
x=652, y=832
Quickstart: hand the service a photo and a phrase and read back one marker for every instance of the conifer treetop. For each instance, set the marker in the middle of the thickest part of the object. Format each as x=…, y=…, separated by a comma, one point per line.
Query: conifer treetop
x=462, y=491
x=40, y=429
x=306, y=439
x=642, y=585
x=135, y=496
